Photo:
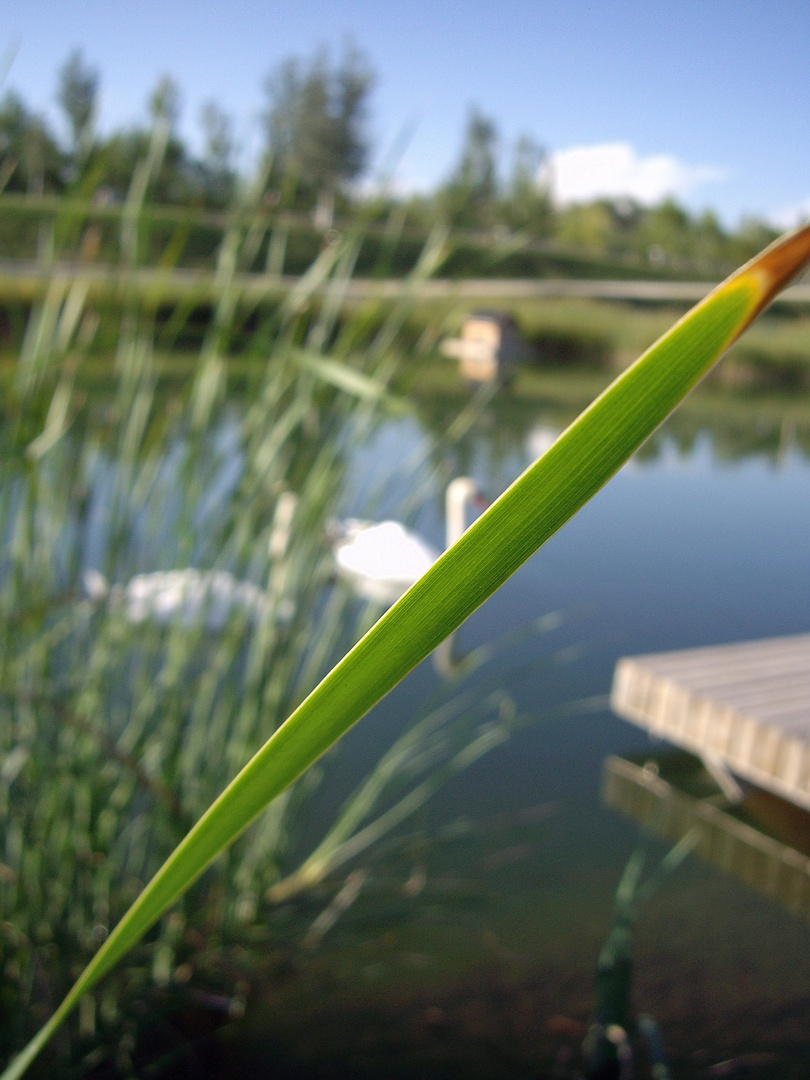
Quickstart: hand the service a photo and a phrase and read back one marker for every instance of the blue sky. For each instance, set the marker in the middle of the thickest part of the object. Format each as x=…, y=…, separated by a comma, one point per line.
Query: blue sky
x=708, y=100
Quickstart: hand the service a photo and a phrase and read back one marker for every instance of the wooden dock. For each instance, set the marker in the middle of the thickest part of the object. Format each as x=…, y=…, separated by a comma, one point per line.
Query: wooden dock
x=744, y=706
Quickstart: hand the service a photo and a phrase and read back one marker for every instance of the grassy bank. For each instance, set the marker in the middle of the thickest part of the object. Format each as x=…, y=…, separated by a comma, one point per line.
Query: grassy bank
x=593, y=334
x=573, y=336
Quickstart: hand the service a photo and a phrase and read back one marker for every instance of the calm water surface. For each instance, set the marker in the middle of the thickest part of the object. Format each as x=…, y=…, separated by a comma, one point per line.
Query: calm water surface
x=489, y=970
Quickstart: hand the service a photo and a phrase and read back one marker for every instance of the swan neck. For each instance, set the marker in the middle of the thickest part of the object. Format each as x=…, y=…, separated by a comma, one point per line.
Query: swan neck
x=459, y=493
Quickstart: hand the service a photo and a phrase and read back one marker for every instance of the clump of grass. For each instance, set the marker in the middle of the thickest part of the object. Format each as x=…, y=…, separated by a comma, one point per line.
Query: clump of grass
x=115, y=736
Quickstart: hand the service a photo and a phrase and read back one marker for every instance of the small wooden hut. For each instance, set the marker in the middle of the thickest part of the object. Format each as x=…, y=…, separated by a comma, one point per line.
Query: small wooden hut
x=489, y=348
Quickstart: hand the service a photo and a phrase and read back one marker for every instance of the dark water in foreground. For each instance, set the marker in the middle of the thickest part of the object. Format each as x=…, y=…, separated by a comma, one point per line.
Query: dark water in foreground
x=483, y=964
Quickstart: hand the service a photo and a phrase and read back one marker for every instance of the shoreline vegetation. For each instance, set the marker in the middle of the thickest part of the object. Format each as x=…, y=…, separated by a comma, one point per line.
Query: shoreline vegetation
x=569, y=339
x=393, y=232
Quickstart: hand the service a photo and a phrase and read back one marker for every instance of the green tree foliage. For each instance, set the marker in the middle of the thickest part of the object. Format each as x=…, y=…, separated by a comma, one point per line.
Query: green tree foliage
x=217, y=164
x=664, y=238
x=316, y=120
x=751, y=236
x=30, y=160
x=77, y=94
x=178, y=179
x=527, y=205
x=591, y=226
x=317, y=138
x=666, y=228
x=469, y=196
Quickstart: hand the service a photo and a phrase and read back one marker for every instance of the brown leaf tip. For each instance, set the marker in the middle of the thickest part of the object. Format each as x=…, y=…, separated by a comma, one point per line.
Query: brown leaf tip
x=779, y=263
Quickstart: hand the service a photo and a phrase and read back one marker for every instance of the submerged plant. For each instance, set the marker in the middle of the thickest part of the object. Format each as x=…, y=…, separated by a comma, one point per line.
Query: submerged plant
x=607, y=1049
x=537, y=504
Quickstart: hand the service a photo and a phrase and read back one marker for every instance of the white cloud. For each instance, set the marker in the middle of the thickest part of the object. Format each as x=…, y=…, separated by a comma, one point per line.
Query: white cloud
x=615, y=170
x=791, y=216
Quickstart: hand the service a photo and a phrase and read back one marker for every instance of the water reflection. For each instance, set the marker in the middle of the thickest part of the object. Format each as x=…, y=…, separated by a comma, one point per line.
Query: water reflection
x=769, y=427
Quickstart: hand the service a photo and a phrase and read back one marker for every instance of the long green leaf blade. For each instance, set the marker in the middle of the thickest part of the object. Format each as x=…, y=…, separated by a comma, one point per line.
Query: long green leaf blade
x=547, y=494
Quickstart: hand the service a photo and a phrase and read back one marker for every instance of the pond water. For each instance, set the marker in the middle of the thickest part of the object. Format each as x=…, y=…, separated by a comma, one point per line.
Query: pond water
x=470, y=943
x=489, y=970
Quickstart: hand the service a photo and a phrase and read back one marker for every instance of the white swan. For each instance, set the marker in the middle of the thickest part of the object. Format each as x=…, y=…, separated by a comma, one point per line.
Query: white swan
x=190, y=596
x=381, y=561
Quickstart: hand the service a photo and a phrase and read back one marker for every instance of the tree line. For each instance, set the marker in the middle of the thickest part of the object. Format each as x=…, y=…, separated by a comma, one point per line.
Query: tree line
x=317, y=147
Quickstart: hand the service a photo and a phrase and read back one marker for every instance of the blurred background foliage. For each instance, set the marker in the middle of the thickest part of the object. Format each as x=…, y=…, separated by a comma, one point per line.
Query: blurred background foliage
x=318, y=148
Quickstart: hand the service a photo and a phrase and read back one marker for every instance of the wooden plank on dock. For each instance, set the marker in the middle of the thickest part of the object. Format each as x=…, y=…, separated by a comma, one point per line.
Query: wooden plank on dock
x=762, y=843
x=747, y=705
